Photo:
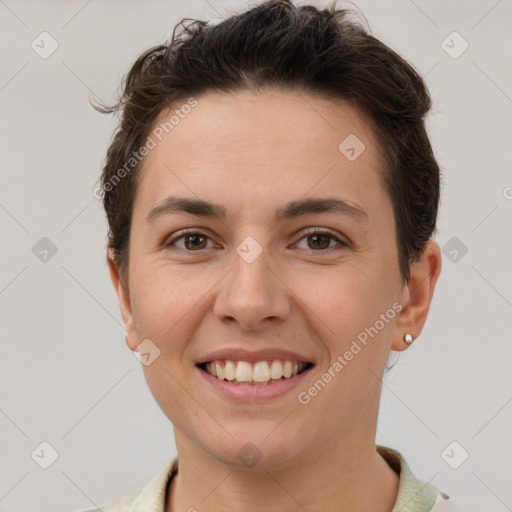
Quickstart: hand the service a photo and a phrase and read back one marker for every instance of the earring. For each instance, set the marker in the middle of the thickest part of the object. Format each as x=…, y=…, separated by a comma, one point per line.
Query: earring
x=408, y=339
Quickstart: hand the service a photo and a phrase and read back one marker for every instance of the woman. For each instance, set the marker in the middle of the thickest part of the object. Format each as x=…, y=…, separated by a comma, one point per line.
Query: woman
x=271, y=195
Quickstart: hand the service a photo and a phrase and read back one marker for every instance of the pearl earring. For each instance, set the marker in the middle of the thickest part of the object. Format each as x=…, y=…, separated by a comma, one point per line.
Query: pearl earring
x=408, y=339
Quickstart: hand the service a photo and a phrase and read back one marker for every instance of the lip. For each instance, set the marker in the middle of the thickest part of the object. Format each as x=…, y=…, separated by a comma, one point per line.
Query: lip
x=253, y=393
x=240, y=354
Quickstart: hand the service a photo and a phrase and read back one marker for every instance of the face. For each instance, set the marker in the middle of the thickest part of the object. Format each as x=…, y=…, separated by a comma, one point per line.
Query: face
x=266, y=271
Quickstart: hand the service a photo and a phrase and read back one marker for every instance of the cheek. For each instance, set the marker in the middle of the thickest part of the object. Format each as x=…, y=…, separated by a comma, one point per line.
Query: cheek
x=166, y=310
x=345, y=307
x=344, y=300
x=168, y=304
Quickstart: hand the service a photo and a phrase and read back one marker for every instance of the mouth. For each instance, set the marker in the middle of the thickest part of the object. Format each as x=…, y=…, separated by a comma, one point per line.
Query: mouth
x=254, y=373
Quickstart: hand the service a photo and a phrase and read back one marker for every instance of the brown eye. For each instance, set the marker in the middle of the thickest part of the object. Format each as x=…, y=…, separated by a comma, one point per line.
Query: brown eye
x=196, y=241
x=320, y=241
x=192, y=241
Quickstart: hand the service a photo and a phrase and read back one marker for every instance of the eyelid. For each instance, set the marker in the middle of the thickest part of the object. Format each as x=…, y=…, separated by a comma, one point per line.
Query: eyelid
x=169, y=241
x=324, y=231
x=303, y=234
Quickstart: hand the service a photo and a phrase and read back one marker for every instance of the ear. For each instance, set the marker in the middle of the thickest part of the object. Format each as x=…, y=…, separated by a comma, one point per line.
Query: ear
x=123, y=296
x=417, y=295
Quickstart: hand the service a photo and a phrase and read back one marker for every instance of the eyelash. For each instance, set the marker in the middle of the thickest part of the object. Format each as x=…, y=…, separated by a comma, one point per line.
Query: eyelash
x=311, y=232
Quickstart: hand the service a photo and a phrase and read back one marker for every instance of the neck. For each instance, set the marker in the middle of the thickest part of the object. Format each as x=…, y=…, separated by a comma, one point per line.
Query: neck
x=345, y=476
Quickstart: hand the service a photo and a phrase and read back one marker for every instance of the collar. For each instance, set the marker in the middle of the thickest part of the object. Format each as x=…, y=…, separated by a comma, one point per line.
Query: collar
x=413, y=495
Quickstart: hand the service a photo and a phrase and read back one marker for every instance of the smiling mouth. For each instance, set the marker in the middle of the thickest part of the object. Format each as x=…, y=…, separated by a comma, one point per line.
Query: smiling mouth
x=257, y=373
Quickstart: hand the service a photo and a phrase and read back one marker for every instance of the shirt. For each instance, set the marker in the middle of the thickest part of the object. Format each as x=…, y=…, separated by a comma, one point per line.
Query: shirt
x=413, y=495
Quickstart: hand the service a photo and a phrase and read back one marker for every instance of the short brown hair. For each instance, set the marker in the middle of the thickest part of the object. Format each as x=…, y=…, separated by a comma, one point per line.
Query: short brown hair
x=276, y=44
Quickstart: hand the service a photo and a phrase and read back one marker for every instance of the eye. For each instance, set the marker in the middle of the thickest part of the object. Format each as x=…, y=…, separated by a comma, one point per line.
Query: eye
x=193, y=241
x=320, y=240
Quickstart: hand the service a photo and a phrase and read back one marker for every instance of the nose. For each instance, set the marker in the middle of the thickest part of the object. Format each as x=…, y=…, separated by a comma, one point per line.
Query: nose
x=252, y=294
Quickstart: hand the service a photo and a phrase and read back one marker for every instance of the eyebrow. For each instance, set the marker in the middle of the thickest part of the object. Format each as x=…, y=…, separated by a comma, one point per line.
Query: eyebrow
x=200, y=208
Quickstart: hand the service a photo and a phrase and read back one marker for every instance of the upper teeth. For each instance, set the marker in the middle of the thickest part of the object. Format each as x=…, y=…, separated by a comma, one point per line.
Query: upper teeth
x=261, y=371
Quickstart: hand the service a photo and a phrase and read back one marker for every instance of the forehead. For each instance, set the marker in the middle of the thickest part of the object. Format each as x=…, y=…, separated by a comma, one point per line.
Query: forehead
x=248, y=146
x=272, y=117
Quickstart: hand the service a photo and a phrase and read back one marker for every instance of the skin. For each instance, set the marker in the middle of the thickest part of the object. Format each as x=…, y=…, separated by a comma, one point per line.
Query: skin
x=252, y=153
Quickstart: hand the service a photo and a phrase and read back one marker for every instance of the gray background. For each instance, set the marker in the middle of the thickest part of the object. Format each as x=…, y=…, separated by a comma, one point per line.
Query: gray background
x=67, y=376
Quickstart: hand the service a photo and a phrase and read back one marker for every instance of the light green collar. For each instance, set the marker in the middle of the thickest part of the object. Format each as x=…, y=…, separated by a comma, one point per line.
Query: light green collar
x=413, y=495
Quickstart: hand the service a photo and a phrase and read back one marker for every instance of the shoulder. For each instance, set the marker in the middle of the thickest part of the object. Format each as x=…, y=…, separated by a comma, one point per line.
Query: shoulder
x=446, y=505
x=150, y=498
x=120, y=504
x=414, y=495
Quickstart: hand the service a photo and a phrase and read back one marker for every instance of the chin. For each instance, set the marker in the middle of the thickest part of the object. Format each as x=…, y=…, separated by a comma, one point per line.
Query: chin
x=264, y=449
